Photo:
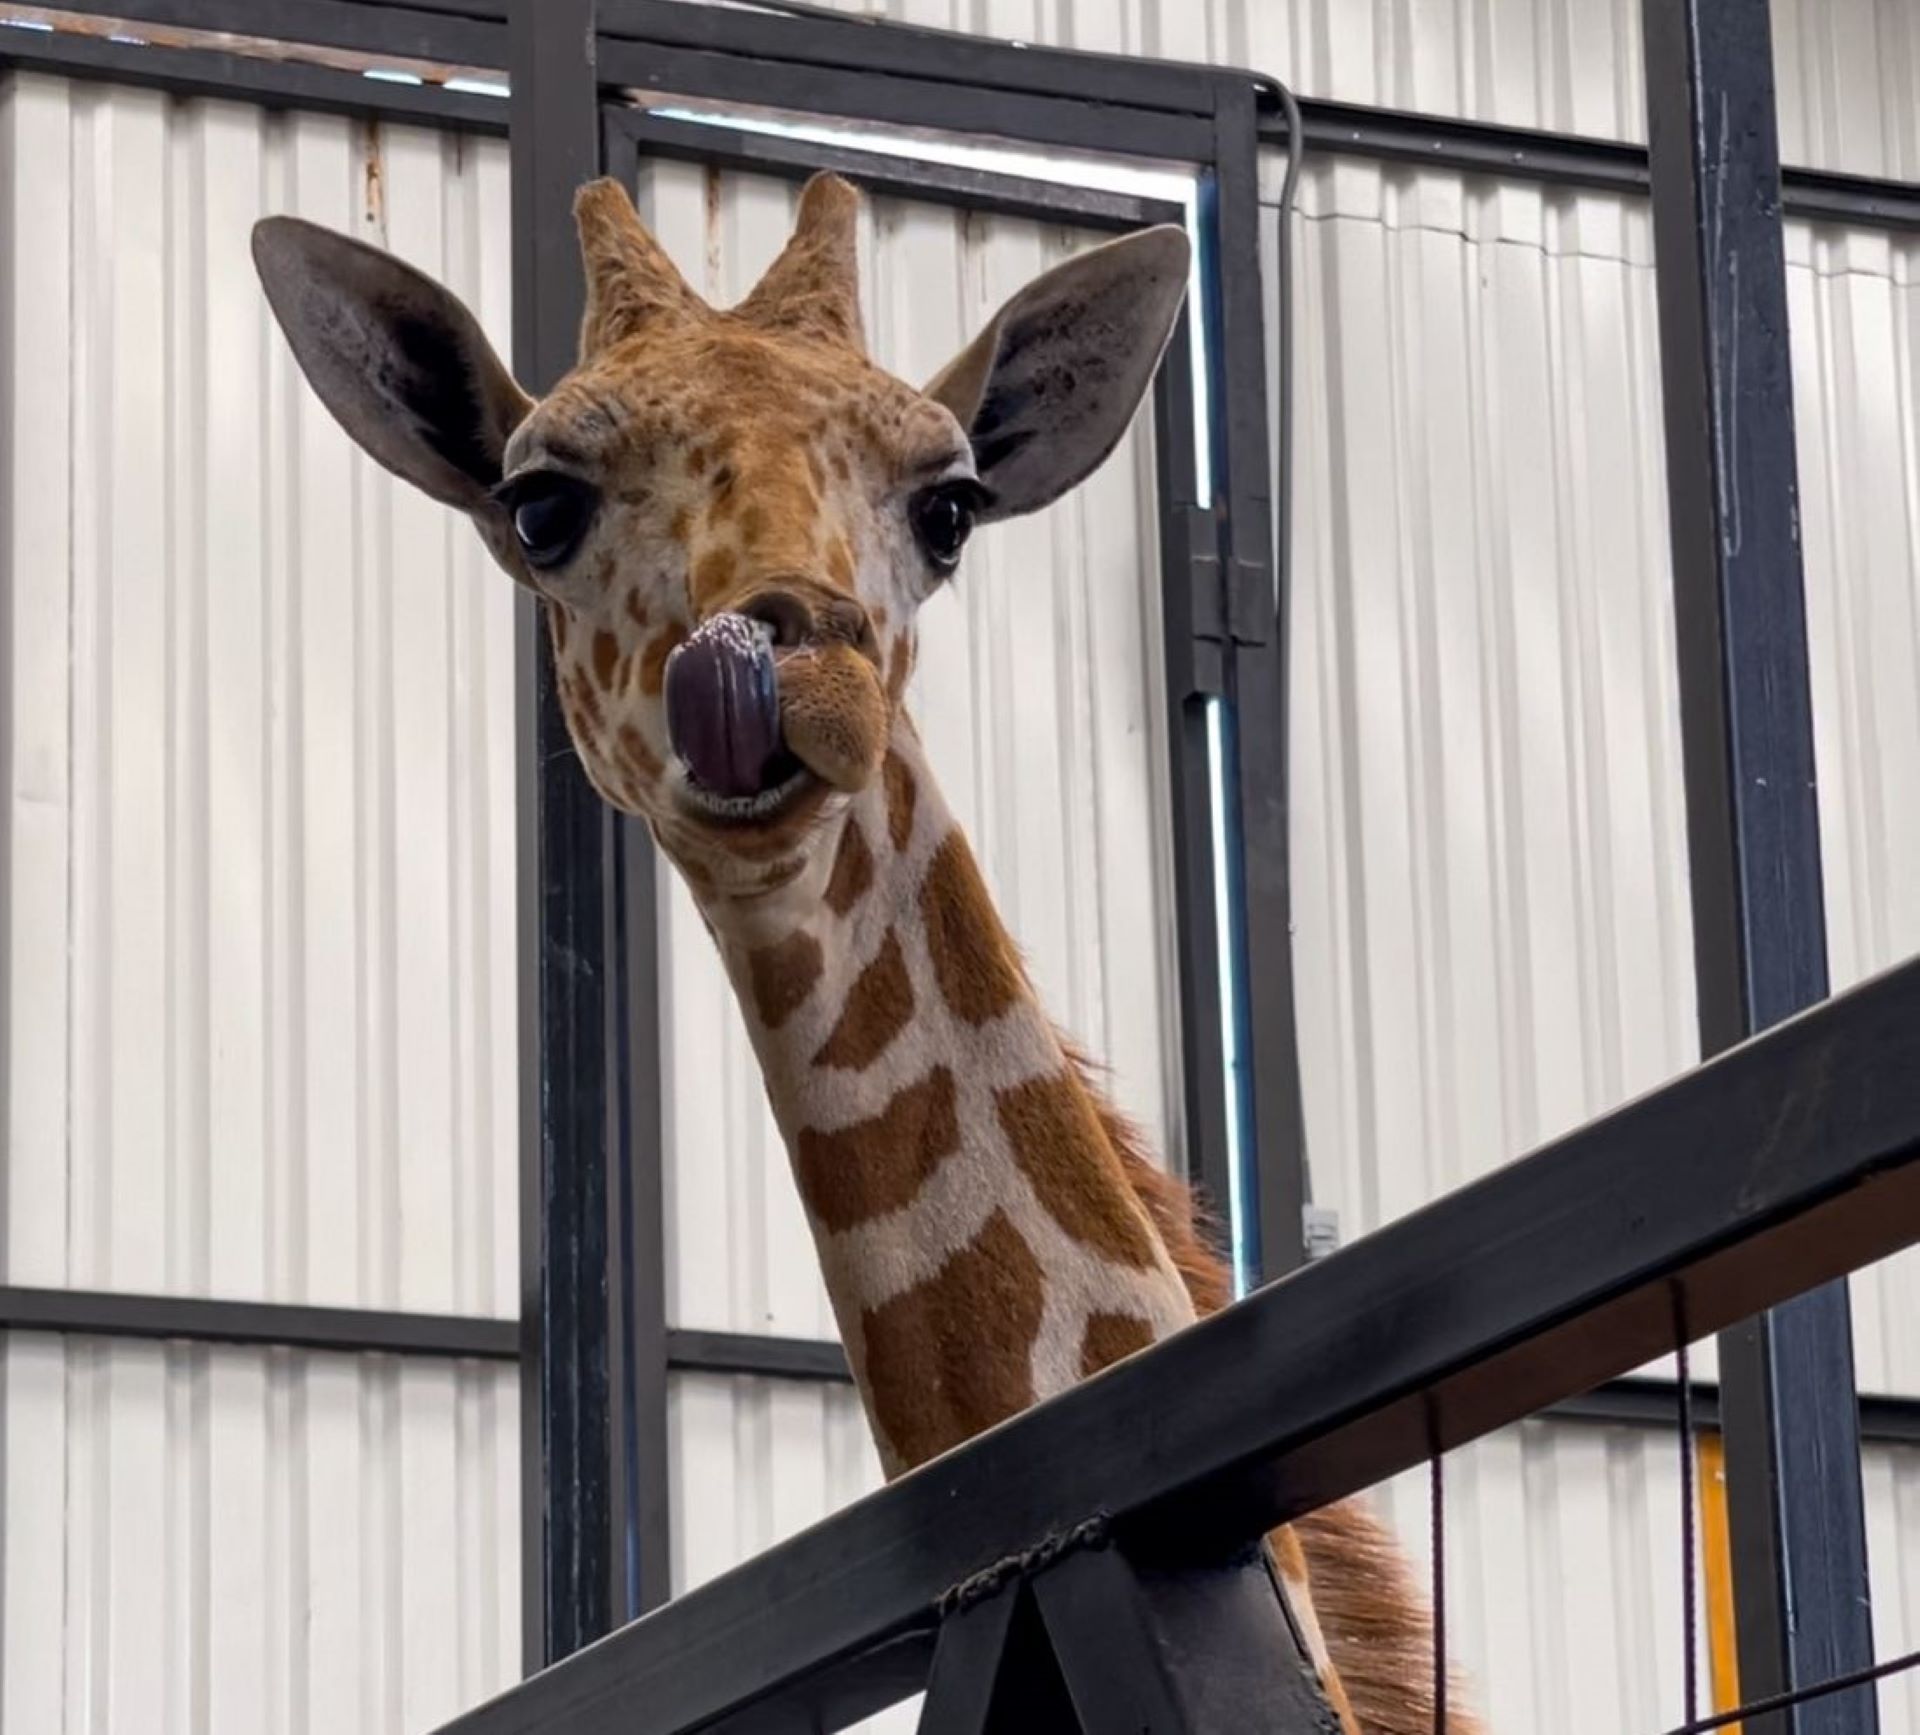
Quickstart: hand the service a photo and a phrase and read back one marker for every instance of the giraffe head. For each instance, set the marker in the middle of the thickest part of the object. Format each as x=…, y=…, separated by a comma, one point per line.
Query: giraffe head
x=751, y=464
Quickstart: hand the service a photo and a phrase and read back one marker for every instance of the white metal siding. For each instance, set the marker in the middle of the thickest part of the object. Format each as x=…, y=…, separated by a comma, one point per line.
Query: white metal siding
x=256, y=802
x=1493, y=933
x=1488, y=826
x=225, y=1541
x=1893, y=1548
x=260, y=781
x=1493, y=929
x=1563, y=1576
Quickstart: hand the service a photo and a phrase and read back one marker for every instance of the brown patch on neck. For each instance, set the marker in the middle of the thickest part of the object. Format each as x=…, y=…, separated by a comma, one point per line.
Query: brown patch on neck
x=606, y=656
x=585, y=700
x=973, y=959
x=783, y=975
x=1062, y=1149
x=875, y=1166
x=852, y=875
x=879, y=1004
x=954, y=1355
x=901, y=795
x=1111, y=1337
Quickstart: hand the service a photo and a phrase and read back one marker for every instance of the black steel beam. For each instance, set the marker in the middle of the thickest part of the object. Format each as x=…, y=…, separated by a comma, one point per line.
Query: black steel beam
x=276, y=84
x=428, y=33
x=1884, y=1420
x=275, y=1324
x=827, y=45
x=1768, y=1170
x=1635, y=1401
x=1188, y=1650
x=636, y=1241
x=1795, y=1507
x=1340, y=129
x=951, y=105
x=1473, y=147
x=572, y=1456
x=886, y=175
x=985, y=1662
x=740, y=1352
x=1651, y=1403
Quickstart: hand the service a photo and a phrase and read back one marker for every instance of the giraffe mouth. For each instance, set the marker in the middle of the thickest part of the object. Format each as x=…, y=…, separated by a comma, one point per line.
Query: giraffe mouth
x=723, y=721
x=766, y=803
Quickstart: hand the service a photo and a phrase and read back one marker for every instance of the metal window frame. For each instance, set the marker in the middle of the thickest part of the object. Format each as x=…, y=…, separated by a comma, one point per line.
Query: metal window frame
x=1194, y=619
x=1224, y=602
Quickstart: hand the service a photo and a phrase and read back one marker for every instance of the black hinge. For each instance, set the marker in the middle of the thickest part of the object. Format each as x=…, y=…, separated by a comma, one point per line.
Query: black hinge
x=1206, y=602
x=1250, y=597
x=1221, y=612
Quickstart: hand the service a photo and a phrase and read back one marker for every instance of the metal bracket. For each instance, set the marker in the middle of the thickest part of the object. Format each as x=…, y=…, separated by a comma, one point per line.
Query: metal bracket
x=1097, y=1643
x=1250, y=601
x=1231, y=597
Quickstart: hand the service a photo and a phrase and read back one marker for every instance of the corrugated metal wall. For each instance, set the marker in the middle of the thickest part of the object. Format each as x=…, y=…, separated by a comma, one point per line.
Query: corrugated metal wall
x=260, y=1043
x=1563, y=1576
x=1494, y=936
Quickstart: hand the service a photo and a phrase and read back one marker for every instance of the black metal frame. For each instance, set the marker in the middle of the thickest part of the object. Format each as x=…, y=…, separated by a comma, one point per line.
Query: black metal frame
x=1198, y=633
x=281, y=1325
x=597, y=1349
x=1753, y=823
x=1224, y=635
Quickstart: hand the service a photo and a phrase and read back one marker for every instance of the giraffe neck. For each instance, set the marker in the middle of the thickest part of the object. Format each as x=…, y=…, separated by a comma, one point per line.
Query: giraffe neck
x=981, y=1241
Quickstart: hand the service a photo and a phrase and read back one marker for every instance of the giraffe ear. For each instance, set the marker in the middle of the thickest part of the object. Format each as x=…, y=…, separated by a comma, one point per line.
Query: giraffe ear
x=401, y=363
x=1047, y=389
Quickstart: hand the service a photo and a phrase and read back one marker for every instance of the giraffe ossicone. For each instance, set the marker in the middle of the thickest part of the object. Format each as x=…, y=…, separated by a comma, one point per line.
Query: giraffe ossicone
x=748, y=484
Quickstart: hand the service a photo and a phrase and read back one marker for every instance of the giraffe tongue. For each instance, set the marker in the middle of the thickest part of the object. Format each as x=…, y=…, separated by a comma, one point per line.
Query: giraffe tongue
x=723, y=705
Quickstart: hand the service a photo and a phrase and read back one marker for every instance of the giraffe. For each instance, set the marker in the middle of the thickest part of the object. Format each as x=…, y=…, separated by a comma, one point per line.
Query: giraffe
x=731, y=518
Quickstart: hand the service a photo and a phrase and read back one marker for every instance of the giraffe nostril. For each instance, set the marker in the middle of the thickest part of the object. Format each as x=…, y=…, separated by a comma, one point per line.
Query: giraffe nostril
x=787, y=614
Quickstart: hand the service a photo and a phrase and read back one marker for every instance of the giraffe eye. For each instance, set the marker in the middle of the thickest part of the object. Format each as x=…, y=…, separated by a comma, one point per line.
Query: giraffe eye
x=551, y=513
x=942, y=518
